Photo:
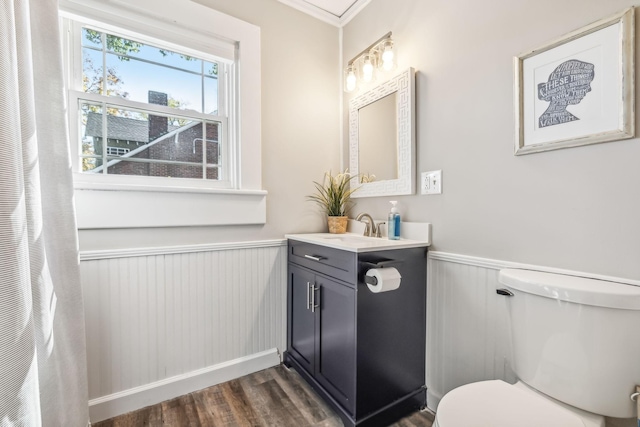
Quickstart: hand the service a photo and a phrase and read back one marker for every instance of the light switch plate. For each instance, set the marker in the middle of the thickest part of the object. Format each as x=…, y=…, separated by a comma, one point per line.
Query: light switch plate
x=431, y=182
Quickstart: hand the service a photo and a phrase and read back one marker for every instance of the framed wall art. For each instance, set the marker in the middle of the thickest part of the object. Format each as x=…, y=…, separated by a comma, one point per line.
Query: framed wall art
x=577, y=90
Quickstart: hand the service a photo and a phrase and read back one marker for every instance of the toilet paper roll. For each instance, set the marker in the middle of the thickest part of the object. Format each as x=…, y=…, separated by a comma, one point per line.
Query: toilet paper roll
x=388, y=279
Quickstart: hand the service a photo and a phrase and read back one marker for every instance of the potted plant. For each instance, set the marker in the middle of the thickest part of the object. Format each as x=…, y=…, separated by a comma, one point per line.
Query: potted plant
x=334, y=196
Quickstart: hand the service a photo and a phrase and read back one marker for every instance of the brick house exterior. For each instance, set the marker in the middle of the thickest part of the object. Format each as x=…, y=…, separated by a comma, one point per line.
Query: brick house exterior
x=153, y=139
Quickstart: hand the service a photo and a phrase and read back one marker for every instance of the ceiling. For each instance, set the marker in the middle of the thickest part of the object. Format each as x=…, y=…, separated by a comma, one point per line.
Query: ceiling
x=336, y=12
x=334, y=7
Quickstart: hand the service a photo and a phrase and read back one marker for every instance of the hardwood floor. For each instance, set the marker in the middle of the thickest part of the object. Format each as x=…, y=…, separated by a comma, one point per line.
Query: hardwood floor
x=273, y=397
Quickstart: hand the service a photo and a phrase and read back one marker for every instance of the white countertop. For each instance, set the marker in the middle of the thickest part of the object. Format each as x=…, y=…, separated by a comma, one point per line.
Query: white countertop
x=354, y=242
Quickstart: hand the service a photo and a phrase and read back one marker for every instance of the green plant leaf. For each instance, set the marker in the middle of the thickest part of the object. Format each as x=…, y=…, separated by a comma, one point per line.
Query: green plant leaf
x=334, y=193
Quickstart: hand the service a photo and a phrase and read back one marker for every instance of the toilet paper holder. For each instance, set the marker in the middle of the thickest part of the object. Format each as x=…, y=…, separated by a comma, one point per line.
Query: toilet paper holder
x=367, y=265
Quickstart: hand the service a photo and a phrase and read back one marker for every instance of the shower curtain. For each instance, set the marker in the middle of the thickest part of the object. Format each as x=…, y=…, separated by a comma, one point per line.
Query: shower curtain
x=43, y=379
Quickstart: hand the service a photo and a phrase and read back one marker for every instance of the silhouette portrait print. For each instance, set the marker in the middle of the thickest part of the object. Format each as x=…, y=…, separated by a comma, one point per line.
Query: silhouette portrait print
x=568, y=84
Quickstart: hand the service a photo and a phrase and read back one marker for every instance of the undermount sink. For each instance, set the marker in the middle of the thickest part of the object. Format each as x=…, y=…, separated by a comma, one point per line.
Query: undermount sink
x=355, y=242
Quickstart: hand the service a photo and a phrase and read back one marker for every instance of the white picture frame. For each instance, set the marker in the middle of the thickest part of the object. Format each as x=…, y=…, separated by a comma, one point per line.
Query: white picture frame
x=577, y=90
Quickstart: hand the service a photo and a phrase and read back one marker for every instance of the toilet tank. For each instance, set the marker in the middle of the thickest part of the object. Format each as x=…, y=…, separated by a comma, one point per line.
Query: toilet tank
x=576, y=339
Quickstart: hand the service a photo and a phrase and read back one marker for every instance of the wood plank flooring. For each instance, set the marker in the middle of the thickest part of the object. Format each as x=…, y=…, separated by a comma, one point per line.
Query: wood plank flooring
x=273, y=397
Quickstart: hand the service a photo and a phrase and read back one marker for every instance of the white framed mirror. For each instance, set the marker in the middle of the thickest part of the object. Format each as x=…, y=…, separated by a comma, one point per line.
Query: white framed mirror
x=382, y=138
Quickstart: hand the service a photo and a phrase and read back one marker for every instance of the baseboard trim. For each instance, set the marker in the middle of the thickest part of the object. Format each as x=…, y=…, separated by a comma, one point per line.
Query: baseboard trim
x=498, y=264
x=135, y=398
x=432, y=400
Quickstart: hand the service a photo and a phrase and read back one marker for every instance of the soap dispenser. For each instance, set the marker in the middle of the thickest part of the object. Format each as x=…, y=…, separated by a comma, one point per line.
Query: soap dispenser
x=393, y=222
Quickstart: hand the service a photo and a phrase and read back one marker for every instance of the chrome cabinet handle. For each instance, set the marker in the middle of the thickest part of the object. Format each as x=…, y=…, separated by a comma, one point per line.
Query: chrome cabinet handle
x=313, y=298
x=315, y=258
x=308, y=286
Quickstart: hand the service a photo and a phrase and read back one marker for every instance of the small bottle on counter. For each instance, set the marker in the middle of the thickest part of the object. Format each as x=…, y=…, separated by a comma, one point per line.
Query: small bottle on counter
x=393, y=222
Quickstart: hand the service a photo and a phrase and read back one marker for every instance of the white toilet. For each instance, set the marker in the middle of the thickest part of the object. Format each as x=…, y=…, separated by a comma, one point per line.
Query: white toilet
x=576, y=352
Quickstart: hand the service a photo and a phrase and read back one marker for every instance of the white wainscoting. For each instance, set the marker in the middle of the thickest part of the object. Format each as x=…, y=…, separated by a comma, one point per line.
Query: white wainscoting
x=467, y=328
x=162, y=322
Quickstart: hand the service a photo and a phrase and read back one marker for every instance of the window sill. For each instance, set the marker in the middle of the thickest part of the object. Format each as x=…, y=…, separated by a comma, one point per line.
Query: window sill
x=177, y=188
x=117, y=205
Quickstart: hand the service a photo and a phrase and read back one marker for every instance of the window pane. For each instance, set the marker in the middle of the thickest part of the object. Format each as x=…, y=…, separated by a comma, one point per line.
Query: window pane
x=135, y=69
x=147, y=143
x=211, y=95
x=91, y=146
x=211, y=69
x=92, y=75
x=91, y=38
x=213, y=146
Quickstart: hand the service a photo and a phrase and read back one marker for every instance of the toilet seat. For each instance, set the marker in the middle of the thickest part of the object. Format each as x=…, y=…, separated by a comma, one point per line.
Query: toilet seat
x=499, y=404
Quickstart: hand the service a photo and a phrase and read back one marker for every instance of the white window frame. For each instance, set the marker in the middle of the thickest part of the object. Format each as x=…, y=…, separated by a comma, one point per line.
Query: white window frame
x=73, y=30
x=120, y=201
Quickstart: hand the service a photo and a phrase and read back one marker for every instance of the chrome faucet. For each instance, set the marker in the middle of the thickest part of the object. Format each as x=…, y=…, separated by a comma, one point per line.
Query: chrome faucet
x=370, y=228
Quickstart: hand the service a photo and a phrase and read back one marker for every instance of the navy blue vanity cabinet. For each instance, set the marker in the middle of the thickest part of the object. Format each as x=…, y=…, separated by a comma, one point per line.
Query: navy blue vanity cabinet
x=301, y=317
x=363, y=352
x=321, y=334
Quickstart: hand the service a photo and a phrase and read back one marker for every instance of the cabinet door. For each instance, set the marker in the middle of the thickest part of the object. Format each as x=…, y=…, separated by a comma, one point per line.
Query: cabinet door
x=335, y=332
x=301, y=317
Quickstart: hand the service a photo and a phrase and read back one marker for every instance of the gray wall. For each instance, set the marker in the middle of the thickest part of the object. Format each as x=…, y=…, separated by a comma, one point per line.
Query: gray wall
x=300, y=129
x=574, y=209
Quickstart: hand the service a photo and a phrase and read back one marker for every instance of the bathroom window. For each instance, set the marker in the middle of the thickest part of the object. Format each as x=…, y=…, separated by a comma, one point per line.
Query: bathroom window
x=164, y=114
x=144, y=109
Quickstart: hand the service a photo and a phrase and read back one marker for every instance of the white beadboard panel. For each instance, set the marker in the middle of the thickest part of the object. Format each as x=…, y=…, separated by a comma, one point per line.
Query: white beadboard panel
x=162, y=315
x=467, y=335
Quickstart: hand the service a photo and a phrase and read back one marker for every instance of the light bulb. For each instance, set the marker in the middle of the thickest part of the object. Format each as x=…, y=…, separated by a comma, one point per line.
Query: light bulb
x=351, y=80
x=387, y=57
x=367, y=69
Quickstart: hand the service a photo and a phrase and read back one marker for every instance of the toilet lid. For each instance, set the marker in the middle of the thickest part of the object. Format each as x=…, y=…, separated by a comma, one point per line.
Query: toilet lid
x=499, y=404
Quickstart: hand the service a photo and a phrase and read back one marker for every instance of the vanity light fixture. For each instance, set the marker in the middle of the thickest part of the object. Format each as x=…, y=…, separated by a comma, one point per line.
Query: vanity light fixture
x=380, y=55
x=367, y=68
x=350, y=78
x=388, y=55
